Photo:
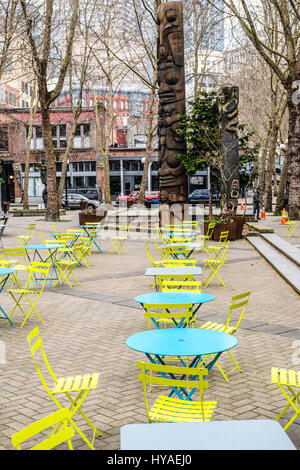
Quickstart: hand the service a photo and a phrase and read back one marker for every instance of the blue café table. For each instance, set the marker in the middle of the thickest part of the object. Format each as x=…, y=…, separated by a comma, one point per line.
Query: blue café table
x=5, y=274
x=190, y=247
x=88, y=229
x=46, y=254
x=250, y=434
x=173, y=298
x=196, y=343
x=180, y=234
x=175, y=271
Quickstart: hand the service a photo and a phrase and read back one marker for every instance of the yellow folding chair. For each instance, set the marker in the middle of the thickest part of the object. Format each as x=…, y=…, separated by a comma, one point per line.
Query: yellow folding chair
x=33, y=288
x=119, y=240
x=288, y=380
x=210, y=230
x=181, y=285
x=177, y=315
x=239, y=302
x=58, y=419
x=161, y=278
x=24, y=239
x=80, y=385
x=169, y=262
x=67, y=264
x=214, y=251
x=215, y=265
x=172, y=409
x=17, y=258
x=291, y=226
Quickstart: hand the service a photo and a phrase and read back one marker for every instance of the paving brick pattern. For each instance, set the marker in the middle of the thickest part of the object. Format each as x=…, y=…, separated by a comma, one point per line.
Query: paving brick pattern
x=85, y=330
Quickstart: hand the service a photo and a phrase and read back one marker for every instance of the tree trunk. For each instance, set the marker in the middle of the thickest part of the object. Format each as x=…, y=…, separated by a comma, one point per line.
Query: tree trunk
x=270, y=166
x=144, y=181
x=28, y=143
x=275, y=179
x=282, y=186
x=52, y=212
x=65, y=161
x=262, y=164
x=294, y=157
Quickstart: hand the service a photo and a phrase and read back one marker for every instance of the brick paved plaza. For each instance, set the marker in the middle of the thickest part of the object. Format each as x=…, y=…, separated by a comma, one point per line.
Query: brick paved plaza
x=85, y=329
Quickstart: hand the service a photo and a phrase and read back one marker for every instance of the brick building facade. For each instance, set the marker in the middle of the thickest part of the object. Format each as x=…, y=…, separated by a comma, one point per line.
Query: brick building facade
x=85, y=167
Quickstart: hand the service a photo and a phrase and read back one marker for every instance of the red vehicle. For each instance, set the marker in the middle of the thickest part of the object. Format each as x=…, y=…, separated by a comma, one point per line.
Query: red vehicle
x=131, y=199
x=151, y=197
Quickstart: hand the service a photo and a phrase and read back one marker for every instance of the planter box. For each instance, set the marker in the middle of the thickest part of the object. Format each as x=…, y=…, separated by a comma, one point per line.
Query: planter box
x=235, y=228
x=231, y=228
x=83, y=219
x=240, y=220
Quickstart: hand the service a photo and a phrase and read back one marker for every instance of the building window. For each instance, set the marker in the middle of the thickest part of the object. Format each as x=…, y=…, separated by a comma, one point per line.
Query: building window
x=82, y=137
x=2, y=94
x=114, y=165
x=91, y=181
x=3, y=138
x=59, y=139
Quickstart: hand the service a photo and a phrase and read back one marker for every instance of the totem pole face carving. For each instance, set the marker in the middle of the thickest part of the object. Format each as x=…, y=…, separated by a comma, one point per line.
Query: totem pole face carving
x=229, y=99
x=173, y=180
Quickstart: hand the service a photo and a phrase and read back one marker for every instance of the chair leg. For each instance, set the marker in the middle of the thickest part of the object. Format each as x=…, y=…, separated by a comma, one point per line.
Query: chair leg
x=291, y=403
x=31, y=309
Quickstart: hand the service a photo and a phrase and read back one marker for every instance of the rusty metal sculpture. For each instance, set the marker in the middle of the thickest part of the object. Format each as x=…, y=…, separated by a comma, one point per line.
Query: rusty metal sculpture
x=172, y=174
x=229, y=100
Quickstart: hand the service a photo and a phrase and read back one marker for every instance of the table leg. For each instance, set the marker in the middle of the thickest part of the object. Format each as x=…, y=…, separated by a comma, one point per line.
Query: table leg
x=2, y=284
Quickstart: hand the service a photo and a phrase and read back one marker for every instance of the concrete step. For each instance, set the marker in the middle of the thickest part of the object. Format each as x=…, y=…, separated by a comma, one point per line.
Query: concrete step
x=287, y=248
x=284, y=265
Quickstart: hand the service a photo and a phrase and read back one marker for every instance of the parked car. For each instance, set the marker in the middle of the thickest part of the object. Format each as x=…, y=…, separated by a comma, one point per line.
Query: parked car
x=75, y=199
x=132, y=198
x=91, y=193
x=201, y=196
x=151, y=197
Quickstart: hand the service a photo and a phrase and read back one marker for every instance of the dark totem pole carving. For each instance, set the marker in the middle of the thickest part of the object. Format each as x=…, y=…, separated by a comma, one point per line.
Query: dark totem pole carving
x=171, y=92
x=229, y=100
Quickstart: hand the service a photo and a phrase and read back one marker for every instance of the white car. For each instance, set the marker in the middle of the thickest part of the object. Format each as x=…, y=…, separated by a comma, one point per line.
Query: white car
x=75, y=199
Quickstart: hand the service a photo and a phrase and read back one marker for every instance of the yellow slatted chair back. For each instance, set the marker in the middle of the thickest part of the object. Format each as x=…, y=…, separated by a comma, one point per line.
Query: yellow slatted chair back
x=210, y=230
x=224, y=254
x=160, y=250
x=29, y=233
x=177, y=228
x=152, y=374
x=16, y=253
x=238, y=302
x=40, y=268
x=62, y=432
x=180, y=285
x=177, y=240
x=35, y=344
x=51, y=241
x=160, y=278
x=179, y=262
x=164, y=314
x=154, y=263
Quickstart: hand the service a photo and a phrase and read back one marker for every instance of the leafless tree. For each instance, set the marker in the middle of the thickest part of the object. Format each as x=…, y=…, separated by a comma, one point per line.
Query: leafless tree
x=284, y=62
x=46, y=27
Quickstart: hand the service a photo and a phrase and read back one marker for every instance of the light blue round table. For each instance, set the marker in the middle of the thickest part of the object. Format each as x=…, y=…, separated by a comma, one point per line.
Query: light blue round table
x=48, y=256
x=5, y=274
x=181, y=342
x=172, y=298
x=169, y=298
x=196, y=343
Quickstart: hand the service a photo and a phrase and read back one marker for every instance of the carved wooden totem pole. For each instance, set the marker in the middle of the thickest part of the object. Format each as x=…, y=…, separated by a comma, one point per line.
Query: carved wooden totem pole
x=229, y=100
x=171, y=92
